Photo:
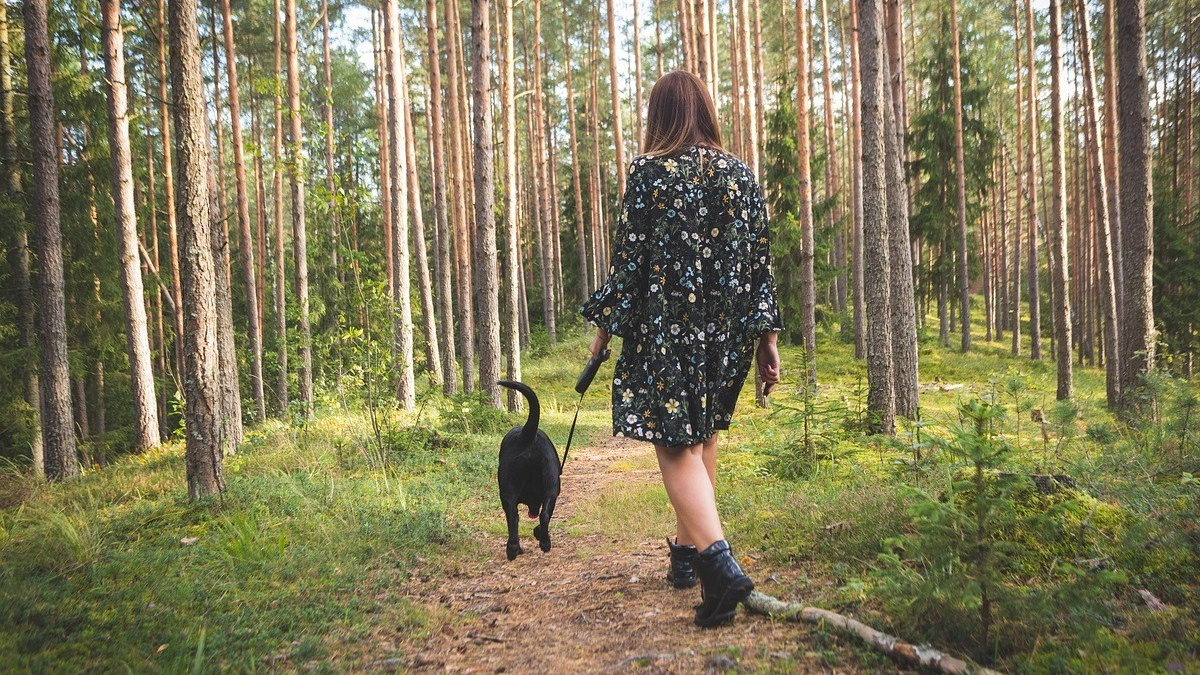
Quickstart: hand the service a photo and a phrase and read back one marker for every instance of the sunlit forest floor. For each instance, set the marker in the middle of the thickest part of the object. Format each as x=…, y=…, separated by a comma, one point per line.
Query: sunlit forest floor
x=363, y=541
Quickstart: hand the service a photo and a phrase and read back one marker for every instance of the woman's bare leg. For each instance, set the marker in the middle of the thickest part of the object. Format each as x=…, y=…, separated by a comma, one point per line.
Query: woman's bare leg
x=690, y=489
x=710, y=458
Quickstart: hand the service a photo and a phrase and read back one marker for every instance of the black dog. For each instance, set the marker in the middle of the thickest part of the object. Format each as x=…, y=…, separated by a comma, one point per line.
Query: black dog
x=528, y=474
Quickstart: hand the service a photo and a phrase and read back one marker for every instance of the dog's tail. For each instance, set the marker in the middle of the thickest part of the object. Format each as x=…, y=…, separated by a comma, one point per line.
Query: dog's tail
x=529, y=431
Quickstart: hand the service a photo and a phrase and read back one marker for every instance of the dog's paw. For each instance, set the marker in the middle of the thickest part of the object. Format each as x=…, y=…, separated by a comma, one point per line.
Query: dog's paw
x=543, y=538
x=513, y=550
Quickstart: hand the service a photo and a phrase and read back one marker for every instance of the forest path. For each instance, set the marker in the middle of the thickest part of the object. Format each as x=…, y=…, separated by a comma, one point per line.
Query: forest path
x=595, y=603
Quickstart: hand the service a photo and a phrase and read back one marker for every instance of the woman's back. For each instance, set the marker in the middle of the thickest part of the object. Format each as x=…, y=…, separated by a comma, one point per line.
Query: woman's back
x=690, y=288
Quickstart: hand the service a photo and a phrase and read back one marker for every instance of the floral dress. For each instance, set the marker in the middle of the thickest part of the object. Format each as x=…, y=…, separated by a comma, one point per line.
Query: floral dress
x=690, y=290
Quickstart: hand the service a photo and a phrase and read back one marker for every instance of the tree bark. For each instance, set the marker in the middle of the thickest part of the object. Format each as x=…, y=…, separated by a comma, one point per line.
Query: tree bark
x=246, y=247
x=169, y=184
x=20, y=248
x=832, y=187
x=900, y=289
x=1017, y=229
x=856, y=172
x=585, y=261
x=58, y=433
x=429, y=323
x=881, y=398
x=615, y=98
x=440, y=206
x=201, y=377
x=402, y=328
x=299, y=229
x=1060, y=276
x=1100, y=171
x=460, y=190
x=1137, y=203
x=141, y=372
x=1034, y=130
x=808, y=319
x=487, y=308
x=542, y=193
x=960, y=173
x=1110, y=150
x=281, y=392
x=512, y=251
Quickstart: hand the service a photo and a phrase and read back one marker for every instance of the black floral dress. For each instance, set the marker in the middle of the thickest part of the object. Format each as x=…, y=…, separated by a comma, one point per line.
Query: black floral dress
x=690, y=290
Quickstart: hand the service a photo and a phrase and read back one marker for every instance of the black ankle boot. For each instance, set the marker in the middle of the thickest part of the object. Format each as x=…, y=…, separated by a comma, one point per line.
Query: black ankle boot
x=723, y=585
x=682, y=573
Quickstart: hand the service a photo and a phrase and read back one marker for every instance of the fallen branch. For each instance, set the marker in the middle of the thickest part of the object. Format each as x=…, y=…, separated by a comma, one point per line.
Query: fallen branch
x=894, y=647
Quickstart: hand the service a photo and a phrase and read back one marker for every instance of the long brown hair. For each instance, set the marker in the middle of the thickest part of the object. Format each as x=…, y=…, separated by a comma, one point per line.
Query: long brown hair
x=681, y=114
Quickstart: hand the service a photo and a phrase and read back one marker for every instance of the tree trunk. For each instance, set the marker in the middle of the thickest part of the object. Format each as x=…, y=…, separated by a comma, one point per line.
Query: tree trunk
x=542, y=217
x=201, y=376
x=512, y=235
x=1060, y=277
x=615, y=96
x=429, y=324
x=141, y=372
x=1017, y=229
x=1137, y=203
x=856, y=169
x=58, y=434
x=881, y=398
x=1034, y=128
x=485, y=281
x=458, y=185
x=960, y=173
x=637, y=73
x=585, y=261
x=280, y=257
x=808, y=319
x=1110, y=151
x=440, y=206
x=260, y=224
x=1108, y=298
x=20, y=247
x=169, y=184
x=832, y=188
x=299, y=229
x=900, y=289
x=385, y=161
x=246, y=247
x=402, y=328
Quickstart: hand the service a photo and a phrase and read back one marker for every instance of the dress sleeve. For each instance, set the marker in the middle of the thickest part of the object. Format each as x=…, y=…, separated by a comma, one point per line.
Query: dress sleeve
x=763, y=316
x=615, y=306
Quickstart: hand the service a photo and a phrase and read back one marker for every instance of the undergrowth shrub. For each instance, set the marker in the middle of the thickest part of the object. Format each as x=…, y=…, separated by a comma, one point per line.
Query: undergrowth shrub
x=995, y=561
x=473, y=414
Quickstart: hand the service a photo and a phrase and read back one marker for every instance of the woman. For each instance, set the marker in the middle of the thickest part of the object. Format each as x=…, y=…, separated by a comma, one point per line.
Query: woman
x=691, y=293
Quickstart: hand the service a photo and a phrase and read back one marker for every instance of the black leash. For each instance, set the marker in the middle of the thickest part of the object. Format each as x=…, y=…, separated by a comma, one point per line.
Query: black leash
x=581, y=386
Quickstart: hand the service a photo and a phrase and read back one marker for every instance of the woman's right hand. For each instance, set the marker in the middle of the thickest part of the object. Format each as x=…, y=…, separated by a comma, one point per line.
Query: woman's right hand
x=767, y=358
x=599, y=343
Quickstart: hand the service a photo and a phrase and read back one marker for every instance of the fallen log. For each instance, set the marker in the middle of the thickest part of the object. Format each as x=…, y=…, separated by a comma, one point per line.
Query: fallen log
x=902, y=651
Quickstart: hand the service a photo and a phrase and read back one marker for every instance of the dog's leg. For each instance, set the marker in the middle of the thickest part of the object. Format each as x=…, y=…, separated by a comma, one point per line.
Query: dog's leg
x=513, y=549
x=542, y=531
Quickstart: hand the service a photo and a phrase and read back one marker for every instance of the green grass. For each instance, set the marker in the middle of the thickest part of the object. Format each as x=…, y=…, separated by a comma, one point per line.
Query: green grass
x=118, y=572
x=295, y=564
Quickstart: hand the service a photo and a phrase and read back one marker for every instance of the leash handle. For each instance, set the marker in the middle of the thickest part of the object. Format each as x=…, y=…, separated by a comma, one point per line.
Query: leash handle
x=589, y=372
x=581, y=387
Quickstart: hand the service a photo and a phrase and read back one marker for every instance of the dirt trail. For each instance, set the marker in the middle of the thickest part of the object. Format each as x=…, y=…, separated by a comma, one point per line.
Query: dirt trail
x=574, y=610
